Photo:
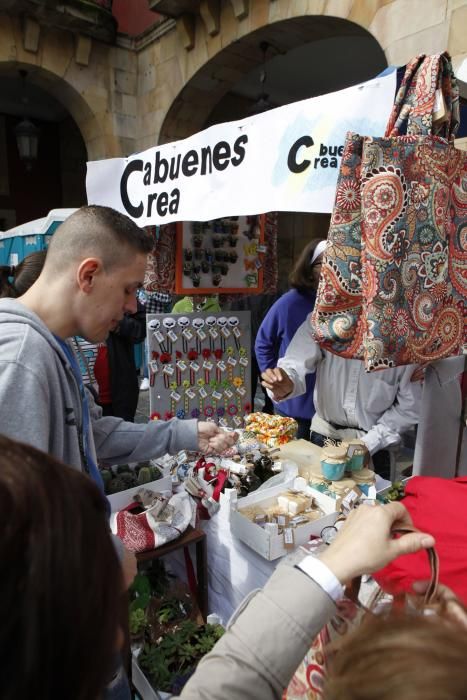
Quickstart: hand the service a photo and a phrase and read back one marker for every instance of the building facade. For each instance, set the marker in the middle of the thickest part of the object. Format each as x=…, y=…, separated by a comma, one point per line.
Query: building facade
x=107, y=79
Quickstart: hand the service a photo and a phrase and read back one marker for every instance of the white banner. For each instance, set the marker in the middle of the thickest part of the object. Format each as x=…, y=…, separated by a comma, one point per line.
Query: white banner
x=286, y=159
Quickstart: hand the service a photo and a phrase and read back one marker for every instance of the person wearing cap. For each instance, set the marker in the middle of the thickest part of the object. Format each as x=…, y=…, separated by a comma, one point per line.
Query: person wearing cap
x=349, y=403
x=280, y=324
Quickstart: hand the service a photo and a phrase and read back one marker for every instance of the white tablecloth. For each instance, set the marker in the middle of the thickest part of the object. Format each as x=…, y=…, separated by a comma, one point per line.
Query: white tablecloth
x=234, y=570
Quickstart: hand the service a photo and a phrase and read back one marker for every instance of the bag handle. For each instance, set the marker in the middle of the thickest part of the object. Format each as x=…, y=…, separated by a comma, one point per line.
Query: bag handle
x=415, y=100
x=402, y=101
x=352, y=591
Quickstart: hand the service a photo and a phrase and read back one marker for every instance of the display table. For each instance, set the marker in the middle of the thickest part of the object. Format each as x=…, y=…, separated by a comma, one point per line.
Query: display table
x=233, y=569
x=194, y=537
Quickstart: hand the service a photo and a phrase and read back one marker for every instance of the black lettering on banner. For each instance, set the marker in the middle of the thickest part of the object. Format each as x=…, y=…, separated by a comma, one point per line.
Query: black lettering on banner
x=162, y=203
x=151, y=199
x=292, y=163
x=158, y=164
x=133, y=166
x=173, y=206
x=239, y=150
x=147, y=174
x=221, y=155
x=206, y=157
x=190, y=163
x=175, y=167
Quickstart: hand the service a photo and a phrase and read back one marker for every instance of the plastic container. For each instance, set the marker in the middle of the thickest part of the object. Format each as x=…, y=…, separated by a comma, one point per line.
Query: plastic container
x=333, y=462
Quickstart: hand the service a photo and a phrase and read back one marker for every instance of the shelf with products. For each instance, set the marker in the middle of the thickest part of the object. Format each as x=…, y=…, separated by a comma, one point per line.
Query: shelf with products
x=222, y=255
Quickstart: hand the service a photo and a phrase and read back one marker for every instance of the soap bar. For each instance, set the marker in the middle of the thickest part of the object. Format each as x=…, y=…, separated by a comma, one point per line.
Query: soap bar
x=293, y=504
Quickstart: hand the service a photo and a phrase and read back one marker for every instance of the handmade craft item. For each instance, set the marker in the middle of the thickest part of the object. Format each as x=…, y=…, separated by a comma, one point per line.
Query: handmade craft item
x=394, y=277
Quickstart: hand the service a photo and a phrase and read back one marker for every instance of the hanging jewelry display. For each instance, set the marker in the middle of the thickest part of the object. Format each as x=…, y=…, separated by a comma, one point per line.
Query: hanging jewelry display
x=198, y=366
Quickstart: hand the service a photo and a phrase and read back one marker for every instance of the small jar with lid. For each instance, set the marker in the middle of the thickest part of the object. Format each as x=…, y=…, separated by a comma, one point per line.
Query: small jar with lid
x=342, y=487
x=333, y=462
x=364, y=478
x=357, y=453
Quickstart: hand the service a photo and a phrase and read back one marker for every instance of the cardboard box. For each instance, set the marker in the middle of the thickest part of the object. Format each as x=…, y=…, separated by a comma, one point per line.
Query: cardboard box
x=272, y=546
x=124, y=498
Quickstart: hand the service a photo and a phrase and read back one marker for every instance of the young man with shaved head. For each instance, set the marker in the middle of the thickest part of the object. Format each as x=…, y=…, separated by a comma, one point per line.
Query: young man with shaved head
x=94, y=266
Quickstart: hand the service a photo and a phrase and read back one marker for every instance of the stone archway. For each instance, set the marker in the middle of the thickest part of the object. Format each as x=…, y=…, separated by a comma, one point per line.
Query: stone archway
x=72, y=101
x=190, y=110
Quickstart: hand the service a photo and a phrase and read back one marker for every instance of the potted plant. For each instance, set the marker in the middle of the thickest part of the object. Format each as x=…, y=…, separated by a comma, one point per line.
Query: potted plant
x=169, y=662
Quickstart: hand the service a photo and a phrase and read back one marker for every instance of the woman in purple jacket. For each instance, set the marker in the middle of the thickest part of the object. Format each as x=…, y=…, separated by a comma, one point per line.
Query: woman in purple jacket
x=283, y=319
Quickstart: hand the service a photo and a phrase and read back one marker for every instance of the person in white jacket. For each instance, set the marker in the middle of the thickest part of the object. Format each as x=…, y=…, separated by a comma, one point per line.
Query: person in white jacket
x=377, y=407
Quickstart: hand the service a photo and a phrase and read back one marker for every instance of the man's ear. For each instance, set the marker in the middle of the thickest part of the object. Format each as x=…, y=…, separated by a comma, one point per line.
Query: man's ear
x=88, y=269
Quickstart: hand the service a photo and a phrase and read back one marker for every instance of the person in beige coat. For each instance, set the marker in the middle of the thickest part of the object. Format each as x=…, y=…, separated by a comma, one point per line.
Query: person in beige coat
x=56, y=550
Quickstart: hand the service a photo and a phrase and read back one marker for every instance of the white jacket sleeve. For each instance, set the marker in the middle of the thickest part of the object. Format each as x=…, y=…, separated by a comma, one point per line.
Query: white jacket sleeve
x=302, y=356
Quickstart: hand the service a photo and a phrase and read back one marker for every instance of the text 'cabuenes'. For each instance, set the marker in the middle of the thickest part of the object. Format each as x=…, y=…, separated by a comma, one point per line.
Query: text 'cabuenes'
x=165, y=171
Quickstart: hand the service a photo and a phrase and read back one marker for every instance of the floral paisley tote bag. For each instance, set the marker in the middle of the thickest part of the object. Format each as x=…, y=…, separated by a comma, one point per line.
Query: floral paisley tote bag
x=393, y=285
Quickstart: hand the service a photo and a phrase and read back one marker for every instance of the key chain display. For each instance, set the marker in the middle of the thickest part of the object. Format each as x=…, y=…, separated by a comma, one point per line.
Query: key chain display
x=200, y=366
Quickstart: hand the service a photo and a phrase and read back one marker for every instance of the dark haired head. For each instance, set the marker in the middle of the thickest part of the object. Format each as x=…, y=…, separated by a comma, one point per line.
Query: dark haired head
x=61, y=579
x=95, y=231
x=15, y=281
x=302, y=277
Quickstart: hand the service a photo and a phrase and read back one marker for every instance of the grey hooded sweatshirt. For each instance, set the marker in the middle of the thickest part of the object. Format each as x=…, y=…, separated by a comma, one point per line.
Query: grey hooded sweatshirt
x=40, y=401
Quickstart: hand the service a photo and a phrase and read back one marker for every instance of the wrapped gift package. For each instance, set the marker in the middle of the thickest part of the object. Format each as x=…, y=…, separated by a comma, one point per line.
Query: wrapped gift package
x=271, y=430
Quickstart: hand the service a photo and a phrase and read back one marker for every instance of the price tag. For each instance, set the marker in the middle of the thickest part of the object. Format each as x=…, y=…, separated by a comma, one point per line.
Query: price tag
x=228, y=393
x=159, y=337
x=182, y=457
x=216, y=395
x=203, y=393
x=225, y=332
x=237, y=420
x=168, y=369
x=261, y=248
x=201, y=334
x=241, y=390
x=207, y=365
x=175, y=396
x=243, y=361
x=258, y=263
x=232, y=361
x=154, y=366
x=181, y=365
x=187, y=333
x=223, y=422
x=194, y=366
x=190, y=393
x=221, y=365
x=172, y=336
x=237, y=333
x=213, y=333
x=289, y=538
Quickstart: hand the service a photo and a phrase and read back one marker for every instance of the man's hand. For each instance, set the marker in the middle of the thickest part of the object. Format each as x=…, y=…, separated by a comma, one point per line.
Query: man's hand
x=129, y=568
x=365, y=543
x=214, y=440
x=278, y=382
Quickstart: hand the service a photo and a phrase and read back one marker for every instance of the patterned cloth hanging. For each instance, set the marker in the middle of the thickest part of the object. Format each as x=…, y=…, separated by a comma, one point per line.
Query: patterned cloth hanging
x=393, y=288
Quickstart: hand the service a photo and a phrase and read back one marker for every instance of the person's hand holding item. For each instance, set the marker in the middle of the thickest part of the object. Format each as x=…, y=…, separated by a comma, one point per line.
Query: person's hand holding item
x=278, y=382
x=365, y=542
x=212, y=439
